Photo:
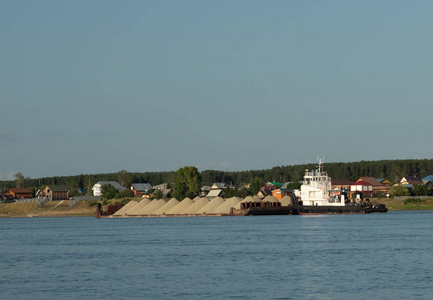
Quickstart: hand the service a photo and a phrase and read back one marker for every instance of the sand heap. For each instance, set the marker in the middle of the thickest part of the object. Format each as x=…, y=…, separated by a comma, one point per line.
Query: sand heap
x=153, y=206
x=247, y=199
x=225, y=207
x=270, y=199
x=121, y=212
x=170, y=204
x=286, y=201
x=211, y=206
x=135, y=209
x=176, y=210
x=198, y=204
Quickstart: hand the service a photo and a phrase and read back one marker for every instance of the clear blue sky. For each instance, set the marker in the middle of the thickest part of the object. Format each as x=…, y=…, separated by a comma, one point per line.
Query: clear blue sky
x=101, y=86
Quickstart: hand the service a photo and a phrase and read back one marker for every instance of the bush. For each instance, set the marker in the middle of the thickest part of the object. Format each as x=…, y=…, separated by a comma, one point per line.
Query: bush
x=412, y=200
x=399, y=191
x=92, y=203
x=126, y=193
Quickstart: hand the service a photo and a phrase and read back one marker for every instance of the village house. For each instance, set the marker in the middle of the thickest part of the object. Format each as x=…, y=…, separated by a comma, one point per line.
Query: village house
x=162, y=186
x=140, y=188
x=204, y=190
x=215, y=193
x=264, y=192
x=280, y=193
x=97, y=188
x=340, y=184
x=56, y=192
x=20, y=193
x=364, y=187
x=377, y=186
x=5, y=198
x=411, y=180
x=218, y=185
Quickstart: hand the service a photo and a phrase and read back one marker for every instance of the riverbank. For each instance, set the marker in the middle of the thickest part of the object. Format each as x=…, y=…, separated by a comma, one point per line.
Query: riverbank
x=31, y=209
x=82, y=208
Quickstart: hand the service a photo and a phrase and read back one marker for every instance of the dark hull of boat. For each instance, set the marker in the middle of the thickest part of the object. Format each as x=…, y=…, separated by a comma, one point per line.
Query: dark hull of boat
x=347, y=209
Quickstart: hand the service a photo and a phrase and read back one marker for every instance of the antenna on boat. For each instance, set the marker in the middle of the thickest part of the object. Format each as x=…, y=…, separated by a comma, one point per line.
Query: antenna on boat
x=320, y=159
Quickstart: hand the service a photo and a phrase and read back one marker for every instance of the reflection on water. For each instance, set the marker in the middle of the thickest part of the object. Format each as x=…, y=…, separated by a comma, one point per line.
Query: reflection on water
x=378, y=256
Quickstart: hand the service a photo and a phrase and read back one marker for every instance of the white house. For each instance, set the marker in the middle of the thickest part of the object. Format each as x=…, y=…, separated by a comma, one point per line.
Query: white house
x=97, y=188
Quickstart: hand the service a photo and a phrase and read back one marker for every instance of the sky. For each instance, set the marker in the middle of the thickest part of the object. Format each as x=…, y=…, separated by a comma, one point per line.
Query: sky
x=91, y=87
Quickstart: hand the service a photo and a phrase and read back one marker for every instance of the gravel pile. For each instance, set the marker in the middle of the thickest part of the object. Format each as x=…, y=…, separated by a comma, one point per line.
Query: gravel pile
x=198, y=204
x=135, y=209
x=170, y=204
x=176, y=210
x=286, y=201
x=211, y=206
x=121, y=212
x=270, y=199
x=225, y=207
x=152, y=207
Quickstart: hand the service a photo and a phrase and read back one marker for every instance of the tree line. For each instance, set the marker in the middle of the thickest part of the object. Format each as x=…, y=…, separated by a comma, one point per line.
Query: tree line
x=393, y=170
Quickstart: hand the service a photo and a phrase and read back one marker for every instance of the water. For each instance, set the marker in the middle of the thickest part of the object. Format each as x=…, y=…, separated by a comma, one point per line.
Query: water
x=378, y=256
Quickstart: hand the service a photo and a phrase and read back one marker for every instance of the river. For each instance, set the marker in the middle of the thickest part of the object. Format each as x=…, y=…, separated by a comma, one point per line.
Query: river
x=377, y=256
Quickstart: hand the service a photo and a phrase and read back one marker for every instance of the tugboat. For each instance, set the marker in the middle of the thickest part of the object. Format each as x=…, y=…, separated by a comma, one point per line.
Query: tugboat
x=317, y=197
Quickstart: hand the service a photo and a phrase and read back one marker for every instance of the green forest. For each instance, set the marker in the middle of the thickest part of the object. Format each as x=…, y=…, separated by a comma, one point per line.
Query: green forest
x=393, y=170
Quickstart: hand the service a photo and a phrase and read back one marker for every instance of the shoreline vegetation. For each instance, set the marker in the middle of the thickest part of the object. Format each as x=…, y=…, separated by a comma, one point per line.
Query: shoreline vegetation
x=85, y=209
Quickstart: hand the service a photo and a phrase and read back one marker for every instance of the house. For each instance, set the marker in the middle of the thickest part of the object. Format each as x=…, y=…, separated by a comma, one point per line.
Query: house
x=97, y=188
x=218, y=185
x=140, y=188
x=427, y=178
x=5, y=198
x=384, y=182
x=411, y=180
x=377, y=186
x=364, y=187
x=280, y=193
x=20, y=193
x=274, y=185
x=340, y=184
x=204, y=190
x=57, y=192
x=264, y=192
x=40, y=194
x=161, y=187
x=215, y=193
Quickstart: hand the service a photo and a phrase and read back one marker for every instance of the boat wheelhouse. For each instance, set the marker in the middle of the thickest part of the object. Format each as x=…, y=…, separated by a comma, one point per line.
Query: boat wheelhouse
x=316, y=189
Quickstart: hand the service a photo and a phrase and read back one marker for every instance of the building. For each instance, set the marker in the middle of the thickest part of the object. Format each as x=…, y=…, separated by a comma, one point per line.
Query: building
x=97, y=188
x=20, y=193
x=377, y=186
x=411, y=180
x=140, y=188
x=162, y=186
x=340, y=184
x=364, y=187
x=264, y=192
x=215, y=193
x=280, y=193
x=5, y=198
x=56, y=192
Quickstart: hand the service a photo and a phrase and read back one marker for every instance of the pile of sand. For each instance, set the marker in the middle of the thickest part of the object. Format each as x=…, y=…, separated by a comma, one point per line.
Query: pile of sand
x=286, y=201
x=211, y=206
x=198, y=204
x=152, y=207
x=225, y=207
x=256, y=198
x=170, y=204
x=247, y=199
x=270, y=199
x=133, y=211
x=176, y=210
x=121, y=212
